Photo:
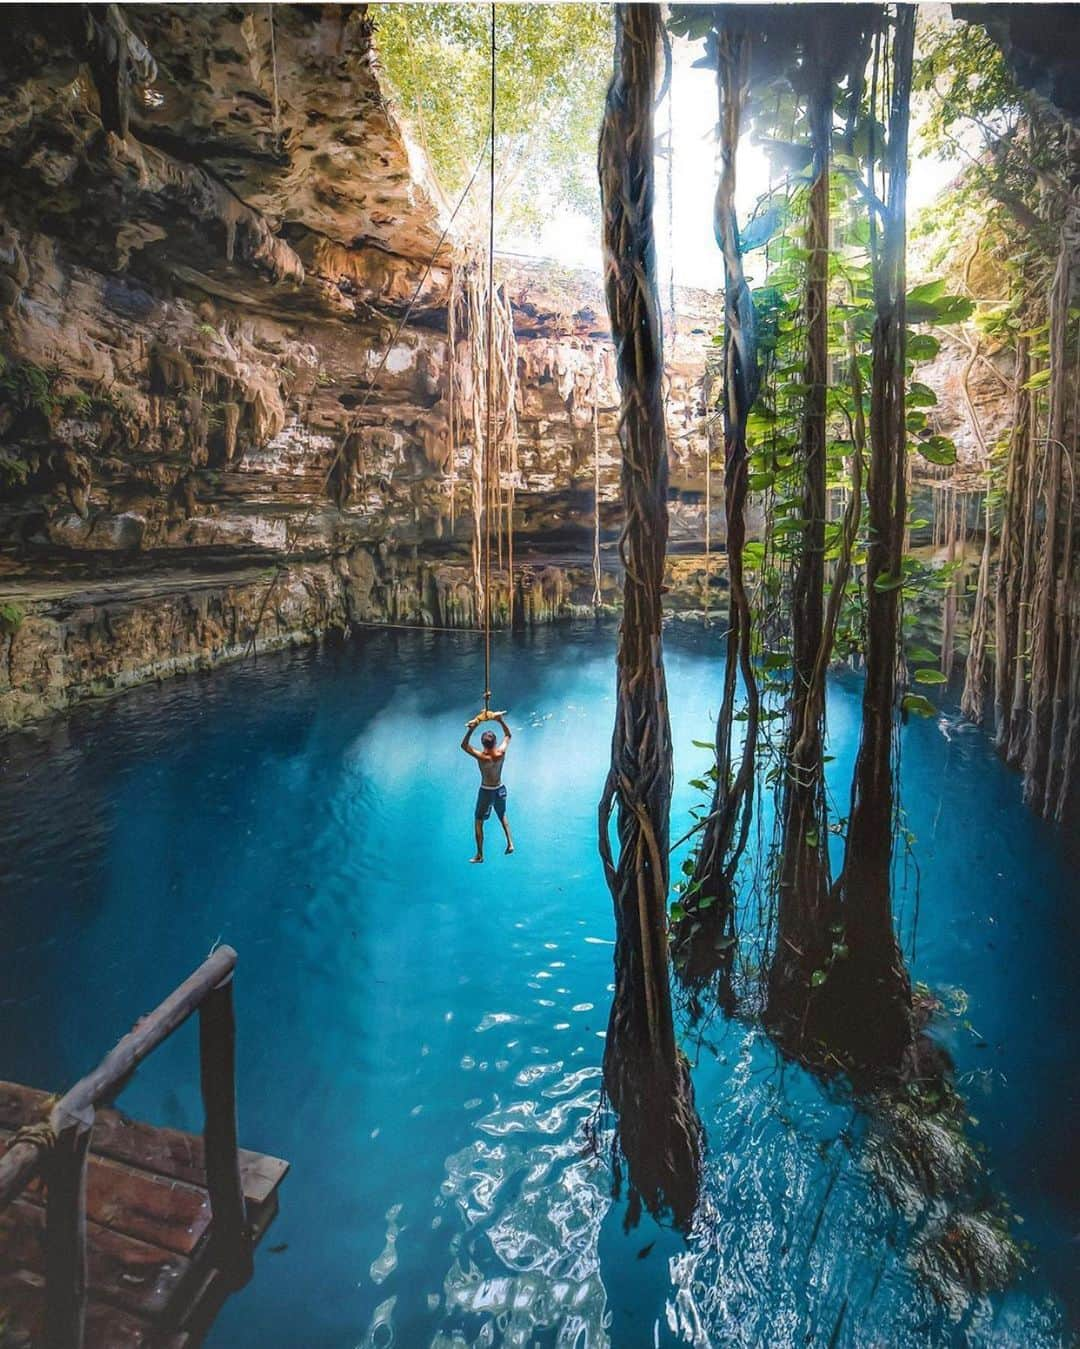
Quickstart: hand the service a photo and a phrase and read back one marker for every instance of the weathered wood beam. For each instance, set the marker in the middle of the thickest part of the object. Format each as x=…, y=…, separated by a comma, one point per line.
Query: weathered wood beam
x=230, y=1233
x=65, y=1230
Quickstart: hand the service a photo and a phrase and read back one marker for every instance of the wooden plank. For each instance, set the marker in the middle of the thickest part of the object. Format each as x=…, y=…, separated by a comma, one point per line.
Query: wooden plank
x=149, y=1260
x=137, y=1276
x=22, y=1296
x=165, y=1152
x=137, y=1204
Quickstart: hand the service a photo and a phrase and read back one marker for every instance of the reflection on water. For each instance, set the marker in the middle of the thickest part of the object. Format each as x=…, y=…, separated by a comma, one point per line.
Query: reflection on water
x=423, y=1039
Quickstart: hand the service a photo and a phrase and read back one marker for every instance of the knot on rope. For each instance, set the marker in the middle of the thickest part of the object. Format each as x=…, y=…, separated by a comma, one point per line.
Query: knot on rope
x=40, y=1135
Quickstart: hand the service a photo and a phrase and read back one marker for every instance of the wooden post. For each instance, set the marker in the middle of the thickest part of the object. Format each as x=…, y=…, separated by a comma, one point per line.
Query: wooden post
x=217, y=1052
x=65, y=1231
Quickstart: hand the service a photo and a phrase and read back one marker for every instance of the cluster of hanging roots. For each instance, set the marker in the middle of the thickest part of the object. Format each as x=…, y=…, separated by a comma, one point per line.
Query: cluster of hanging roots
x=1027, y=598
x=858, y=1016
x=483, y=387
x=481, y=393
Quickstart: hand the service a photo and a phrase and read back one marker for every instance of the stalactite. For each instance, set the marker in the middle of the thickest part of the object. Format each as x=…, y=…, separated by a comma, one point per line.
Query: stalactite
x=231, y=422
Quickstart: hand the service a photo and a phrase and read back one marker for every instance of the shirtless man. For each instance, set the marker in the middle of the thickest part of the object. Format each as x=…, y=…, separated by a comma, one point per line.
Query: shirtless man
x=492, y=792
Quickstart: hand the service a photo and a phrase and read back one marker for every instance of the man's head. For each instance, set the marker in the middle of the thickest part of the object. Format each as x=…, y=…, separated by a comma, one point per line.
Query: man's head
x=488, y=740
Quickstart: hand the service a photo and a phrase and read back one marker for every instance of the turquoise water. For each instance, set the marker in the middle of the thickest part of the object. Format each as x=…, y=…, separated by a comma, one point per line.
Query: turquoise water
x=422, y=1039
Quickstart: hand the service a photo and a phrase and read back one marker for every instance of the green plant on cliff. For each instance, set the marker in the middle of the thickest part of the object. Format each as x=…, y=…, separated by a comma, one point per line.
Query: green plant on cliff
x=11, y=617
x=552, y=65
x=27, y=387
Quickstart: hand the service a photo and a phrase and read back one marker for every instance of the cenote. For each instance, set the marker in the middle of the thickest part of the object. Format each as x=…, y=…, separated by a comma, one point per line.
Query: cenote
x=422, y=1039
x=676, y=407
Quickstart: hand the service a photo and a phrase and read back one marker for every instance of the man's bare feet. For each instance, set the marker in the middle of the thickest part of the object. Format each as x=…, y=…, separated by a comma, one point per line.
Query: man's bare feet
x=477, y=858
x=509, y=849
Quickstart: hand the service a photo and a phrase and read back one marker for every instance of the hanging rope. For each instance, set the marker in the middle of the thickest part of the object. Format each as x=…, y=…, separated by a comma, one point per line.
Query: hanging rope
x=488, y=443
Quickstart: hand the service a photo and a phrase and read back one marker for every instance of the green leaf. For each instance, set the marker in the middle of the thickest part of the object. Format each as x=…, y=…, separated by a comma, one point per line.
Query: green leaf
x=703, y=744
x=1039, y=379
x=678, y=913
x=818, y=978
x=915, y=702
x=921, y=653
x=937, y=449
x=949, y=309
x=888, y=582
x=921, y=395
x=929, y=676
x=928, y=293
x=812, y=838
x=922, y=347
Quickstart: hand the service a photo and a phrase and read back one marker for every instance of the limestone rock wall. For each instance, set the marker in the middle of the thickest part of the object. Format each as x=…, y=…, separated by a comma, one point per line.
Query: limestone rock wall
x=211, y=227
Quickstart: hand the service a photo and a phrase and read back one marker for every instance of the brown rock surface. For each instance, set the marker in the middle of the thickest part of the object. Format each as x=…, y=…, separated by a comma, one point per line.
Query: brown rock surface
x=211, y=223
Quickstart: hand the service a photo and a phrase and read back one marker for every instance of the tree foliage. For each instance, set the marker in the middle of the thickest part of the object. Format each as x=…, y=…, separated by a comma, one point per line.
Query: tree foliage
x=551, y=67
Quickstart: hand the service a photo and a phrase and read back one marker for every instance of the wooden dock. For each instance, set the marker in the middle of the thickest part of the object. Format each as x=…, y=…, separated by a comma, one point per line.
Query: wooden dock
x=145, y=1266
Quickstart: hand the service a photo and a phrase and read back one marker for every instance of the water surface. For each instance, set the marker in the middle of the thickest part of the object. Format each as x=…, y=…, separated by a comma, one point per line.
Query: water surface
x=422, y=1039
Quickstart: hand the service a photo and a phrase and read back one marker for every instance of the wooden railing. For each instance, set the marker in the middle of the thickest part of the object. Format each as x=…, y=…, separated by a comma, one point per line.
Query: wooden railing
x=57, y=1150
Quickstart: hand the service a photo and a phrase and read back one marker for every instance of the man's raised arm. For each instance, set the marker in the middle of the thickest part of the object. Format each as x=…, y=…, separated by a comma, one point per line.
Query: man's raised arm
x=472, y=725
x=506, y=734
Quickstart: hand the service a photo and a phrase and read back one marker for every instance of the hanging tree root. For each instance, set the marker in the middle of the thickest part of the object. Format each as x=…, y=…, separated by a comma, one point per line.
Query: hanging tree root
x=705, y=937
x=645, y=1075
x=491, y=491
x=866, y=1012
x=804, y=910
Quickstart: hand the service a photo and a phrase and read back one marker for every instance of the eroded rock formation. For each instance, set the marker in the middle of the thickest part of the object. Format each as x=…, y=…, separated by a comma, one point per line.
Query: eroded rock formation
x=211, y=226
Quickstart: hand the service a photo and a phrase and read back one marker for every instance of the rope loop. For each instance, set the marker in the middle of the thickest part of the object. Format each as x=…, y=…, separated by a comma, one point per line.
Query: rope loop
x=40, y=1135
